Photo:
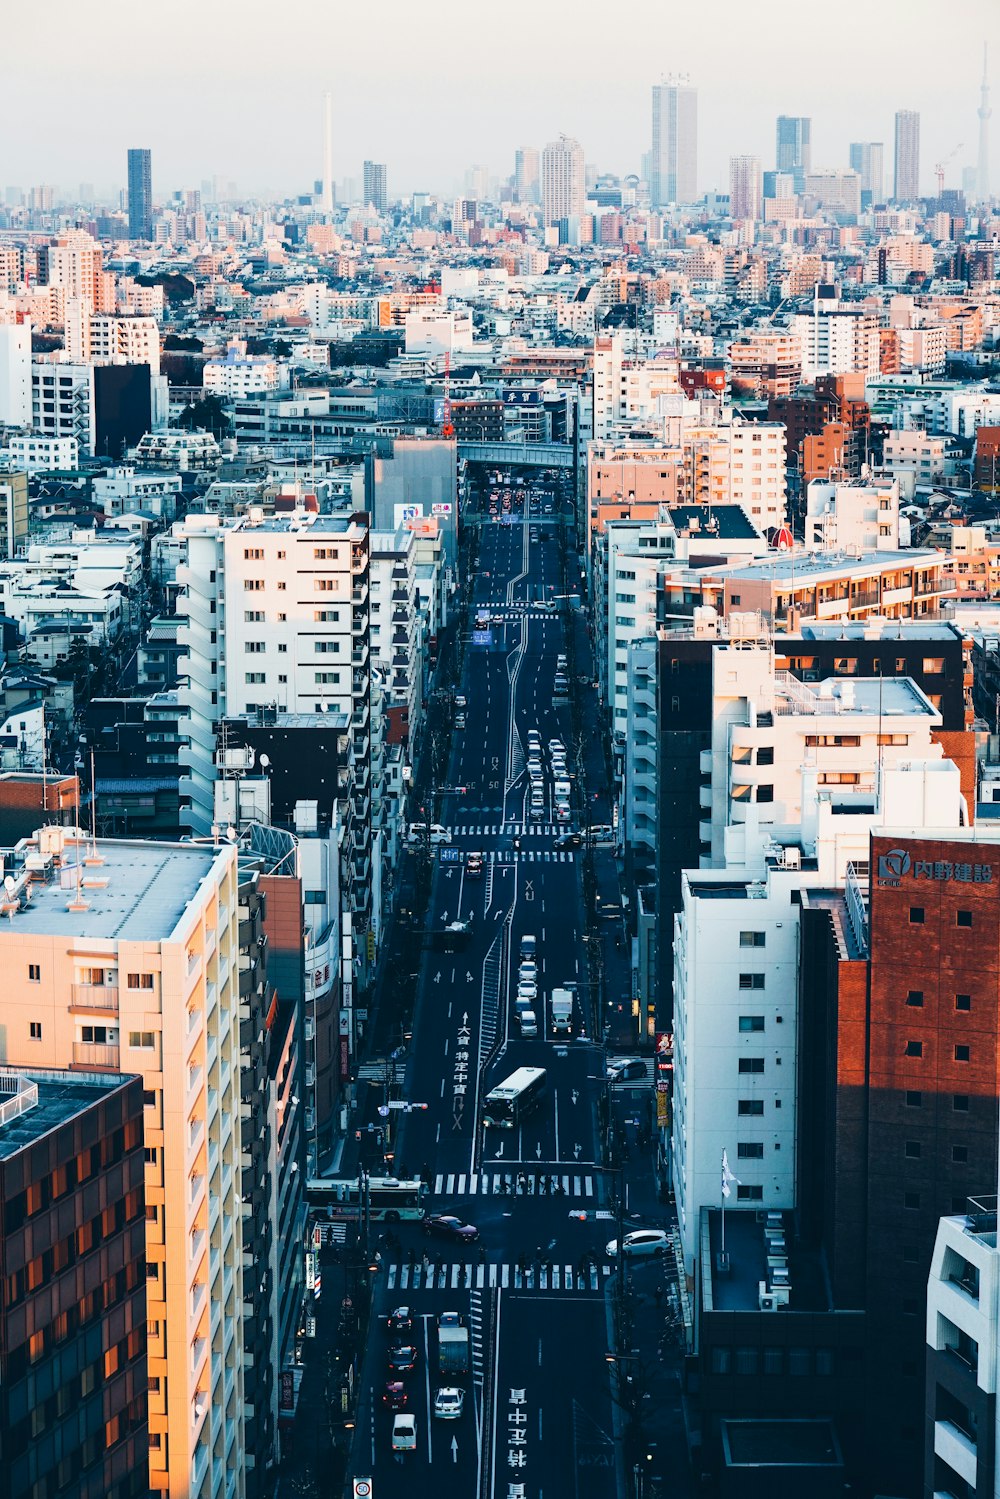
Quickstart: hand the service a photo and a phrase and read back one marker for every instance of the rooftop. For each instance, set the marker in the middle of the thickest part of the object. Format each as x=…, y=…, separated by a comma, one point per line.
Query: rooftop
x=739, y=1289
x=138, y=892
x=879, y=629
x=725, y=522
x=869, y=697
x=802, y=567
x=34, y=1102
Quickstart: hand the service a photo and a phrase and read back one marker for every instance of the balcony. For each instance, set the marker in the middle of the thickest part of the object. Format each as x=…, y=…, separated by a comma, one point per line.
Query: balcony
x=955, y=1447
x=95, y=997
x=96, y=1058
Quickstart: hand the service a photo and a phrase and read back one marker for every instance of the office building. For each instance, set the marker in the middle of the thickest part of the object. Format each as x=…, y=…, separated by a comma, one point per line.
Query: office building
x=867, y=160
x=526, y=180
x=793, y=151
x=563, y=180
x=376, y=193
x=13, y=513
x=127, y=959
x=906, y=161
x=140, y=194
x=674, y=150
x=746, y=196
x=73, y=1399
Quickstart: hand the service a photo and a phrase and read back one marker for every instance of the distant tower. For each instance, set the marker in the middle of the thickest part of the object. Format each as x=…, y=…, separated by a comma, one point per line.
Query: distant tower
x=327, y=201
x=983, y=167
x=140, y=194
x=906, y=169
x=674, y=147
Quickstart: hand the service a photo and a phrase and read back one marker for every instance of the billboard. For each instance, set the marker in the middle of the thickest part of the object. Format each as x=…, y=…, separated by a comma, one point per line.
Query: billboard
x=403, y=515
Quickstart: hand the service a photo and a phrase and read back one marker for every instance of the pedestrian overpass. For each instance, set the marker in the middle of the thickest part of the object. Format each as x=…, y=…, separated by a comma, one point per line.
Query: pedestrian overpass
x=518, y=454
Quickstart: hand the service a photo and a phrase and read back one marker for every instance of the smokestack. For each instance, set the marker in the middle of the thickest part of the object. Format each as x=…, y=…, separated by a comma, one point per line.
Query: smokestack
x=327, y=204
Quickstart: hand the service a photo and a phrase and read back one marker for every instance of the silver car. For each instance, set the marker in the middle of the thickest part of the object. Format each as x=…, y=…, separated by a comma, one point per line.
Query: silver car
x=449, y=1402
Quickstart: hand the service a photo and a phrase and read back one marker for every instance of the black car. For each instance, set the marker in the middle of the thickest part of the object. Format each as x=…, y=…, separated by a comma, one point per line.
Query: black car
x=444, y=1226
x=402, y=1358
x=569, y=840
x=400, y=1320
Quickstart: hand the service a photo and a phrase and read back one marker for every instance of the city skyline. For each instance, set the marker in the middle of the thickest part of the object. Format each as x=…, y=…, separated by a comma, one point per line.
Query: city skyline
x=850, y=97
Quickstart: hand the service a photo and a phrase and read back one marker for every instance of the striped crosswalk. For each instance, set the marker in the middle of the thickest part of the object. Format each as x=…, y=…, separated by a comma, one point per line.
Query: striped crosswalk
x=507, y=829
x=427, y=1276
x=514, y=1184
x=375, y=1072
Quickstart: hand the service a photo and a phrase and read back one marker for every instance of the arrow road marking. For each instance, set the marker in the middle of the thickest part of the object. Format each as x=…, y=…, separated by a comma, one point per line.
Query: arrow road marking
x=454, y=1449
x=538, y=1152
x=575, y=1095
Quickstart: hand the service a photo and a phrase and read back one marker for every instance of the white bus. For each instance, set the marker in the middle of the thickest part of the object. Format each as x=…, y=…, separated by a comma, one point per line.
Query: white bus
x=389, y=1200
x=505, y=1105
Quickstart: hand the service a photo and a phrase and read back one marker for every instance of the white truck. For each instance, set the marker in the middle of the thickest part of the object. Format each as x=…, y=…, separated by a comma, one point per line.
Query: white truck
x=561, y=1012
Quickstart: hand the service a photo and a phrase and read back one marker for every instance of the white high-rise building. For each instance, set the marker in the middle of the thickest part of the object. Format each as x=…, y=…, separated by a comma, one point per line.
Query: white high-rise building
x=126, y=958
x=563, y=180
x=99, y=338
x=15, y=374
x=674, y=152
x=836, y=340
x=906, y=173
x=746, y=188
x=867, y=158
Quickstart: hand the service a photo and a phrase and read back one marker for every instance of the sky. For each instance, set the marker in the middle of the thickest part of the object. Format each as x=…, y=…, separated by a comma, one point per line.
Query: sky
x=234, y=88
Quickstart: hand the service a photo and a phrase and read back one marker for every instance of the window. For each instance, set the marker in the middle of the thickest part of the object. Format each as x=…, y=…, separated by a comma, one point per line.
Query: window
x=915, y=999
x=327, y=678
x=752, y=939
x=35, y=1030
x=749, y=1150
x=314, y=898
x=150, y=1153
x=960, y=1154
x=750, y=1107
x=149, y=1098
x=751, y=1064
x=327, y=647
x=963, y=918
x=749, y=1194
x=911, y=1201
x=140, y=981
x=963, y=1001
x=34, y=973
x=746, y=1360
x=326, y=585
x=721, y=1360
x=282, y=650
x=961, y=1053
x=142, y=1039
x=916, y=915
x=253, y=585
x=912, y=1150
x=914, y=1100
x=254, y=647
x=914, y=1049
x=751, y=981
x=253, y=616
x=94, y=1035
x=799, y=1361
x=253, y=554
x=255, y=678
x=765, y=793
x=765, y=755
x=326, y=616
x=960, y=1103
x=751, y=1023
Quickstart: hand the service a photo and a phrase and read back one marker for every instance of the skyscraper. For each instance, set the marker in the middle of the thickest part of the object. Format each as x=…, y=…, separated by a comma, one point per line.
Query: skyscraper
x=674, y=154
x=983, y=158
x=906, y=173
x=140, y=193
x=867, y=161
x=326, y=199
x=376, y=191
x=793, y=152
x=745, y=188
x=563, y=190
x=526, y=174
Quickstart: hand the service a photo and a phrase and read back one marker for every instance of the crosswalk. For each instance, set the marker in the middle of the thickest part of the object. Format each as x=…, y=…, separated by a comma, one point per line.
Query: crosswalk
x=375, y=1072
x=514, y=1184
x=424, y=1276
x=508, y=830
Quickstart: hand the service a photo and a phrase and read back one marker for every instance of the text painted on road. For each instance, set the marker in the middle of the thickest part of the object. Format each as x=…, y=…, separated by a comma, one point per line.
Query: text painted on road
x=460, y=1074
x=517, y=1442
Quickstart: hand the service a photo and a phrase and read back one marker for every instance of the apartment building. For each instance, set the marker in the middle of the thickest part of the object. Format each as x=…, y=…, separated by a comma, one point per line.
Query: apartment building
x=630, y=376
x=861, y=516
x=396, y=633
x=102, y=338
x=836, y=340
x=73, y=1403
x=916, y=453
x=63, y=402
x=15, y=374
x=40, y=454
x=126, y=958
x=13, y=513
x=240, y=375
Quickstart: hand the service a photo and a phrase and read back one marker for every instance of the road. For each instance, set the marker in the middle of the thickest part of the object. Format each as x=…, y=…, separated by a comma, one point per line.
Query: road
x=533, y=1290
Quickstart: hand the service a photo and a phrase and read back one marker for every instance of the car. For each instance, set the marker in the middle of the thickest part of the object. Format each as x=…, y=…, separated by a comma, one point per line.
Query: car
x=533, y=737
x=449, y=1402
x=404, y=1434
x=563, y=813
x=403, y=1358
x=527, y=972
x=497, y=619
x=394, y=1396
x=529, y=946
x=524, y=1006
x=418, y=833
x=460, y=701
x=560, y=662
x=400, y=1319
x=641, y=1242
x=568, y=840
x=556, y=747
x=474, y=865
x=460, y=720
x=537, y=811
x=548, y=510
x=528, y=1021
x=444, y=1226
x=620, y=1068
x=449, y=1319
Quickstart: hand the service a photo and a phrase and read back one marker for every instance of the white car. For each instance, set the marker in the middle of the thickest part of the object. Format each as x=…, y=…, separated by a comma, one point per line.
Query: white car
x=449, y=1402
x=643, y=1241
x=404, y=1433
x=528, y=972
x=438, y=834
x=527, y=990
x=556, y=747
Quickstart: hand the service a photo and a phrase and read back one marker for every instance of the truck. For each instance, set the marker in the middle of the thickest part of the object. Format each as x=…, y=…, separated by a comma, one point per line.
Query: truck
x=453, y=1347
x=561, y=1011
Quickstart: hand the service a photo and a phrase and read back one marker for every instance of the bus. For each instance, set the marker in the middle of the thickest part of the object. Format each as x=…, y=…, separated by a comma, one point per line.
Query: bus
x=506, y=1104
x=389, y=1200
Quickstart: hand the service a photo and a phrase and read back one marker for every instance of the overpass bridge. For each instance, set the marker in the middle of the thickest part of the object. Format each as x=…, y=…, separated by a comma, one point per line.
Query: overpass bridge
x=519, y=455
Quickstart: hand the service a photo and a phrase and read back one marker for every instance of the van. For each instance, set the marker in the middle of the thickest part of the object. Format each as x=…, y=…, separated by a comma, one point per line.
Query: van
x=529, y=946
x=561, y=790
x=404, y=1433
x=529, y=1024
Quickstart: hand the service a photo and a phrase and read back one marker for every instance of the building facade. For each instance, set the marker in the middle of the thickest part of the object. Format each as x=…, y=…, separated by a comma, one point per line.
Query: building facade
x=674, y=149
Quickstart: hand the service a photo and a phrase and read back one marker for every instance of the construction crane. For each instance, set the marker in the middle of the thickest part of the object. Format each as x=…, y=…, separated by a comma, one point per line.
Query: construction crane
x=939, y=169
x=447, y=428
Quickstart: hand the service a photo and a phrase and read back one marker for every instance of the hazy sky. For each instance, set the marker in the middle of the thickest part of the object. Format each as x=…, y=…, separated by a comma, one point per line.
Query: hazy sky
x=235, y=87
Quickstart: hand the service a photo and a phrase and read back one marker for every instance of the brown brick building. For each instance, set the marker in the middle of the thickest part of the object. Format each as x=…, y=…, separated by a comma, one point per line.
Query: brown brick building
x=899, y=1081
